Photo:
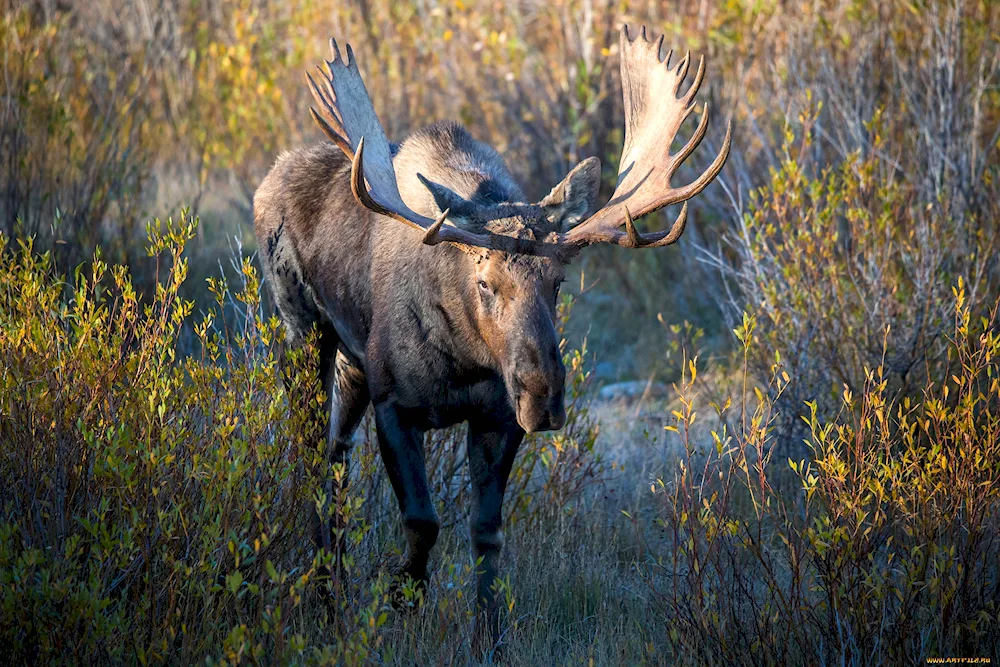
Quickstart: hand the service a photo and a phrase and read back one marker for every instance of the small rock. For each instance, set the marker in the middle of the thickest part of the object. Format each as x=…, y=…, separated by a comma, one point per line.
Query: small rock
x=631, y=390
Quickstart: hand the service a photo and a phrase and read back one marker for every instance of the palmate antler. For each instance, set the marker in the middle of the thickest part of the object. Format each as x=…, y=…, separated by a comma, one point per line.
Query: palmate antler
x=653, y=115
x=347, y=117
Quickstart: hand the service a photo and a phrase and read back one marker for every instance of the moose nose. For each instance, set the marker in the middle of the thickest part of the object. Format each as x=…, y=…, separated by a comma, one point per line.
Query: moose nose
x=539, y=405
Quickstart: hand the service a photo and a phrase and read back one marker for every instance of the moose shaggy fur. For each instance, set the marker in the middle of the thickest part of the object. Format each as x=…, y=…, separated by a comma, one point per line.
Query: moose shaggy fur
x=407, y=326
x=436, y=324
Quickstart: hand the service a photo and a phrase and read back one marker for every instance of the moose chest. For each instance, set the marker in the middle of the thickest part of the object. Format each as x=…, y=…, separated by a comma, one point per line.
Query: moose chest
x=431, y=382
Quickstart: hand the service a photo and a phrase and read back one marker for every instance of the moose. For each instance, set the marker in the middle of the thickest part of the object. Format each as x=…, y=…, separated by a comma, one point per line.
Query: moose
x=433, y=282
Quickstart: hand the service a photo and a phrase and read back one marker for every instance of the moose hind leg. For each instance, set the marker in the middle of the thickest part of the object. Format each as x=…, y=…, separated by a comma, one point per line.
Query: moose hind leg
x=401, y=447
x=342, y=380
x=347, y=399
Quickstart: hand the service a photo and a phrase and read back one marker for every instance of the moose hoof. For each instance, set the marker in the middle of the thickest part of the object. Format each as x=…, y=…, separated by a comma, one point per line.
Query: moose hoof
x=329, y=588
x=406, y=594
x=487, y=633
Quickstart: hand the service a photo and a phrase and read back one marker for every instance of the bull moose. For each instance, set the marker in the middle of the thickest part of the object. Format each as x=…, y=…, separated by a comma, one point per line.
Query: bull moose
x=449, y=316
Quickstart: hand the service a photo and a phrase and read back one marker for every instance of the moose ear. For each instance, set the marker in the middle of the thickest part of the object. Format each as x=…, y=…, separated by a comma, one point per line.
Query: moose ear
x=460, y=209
x=575, y=197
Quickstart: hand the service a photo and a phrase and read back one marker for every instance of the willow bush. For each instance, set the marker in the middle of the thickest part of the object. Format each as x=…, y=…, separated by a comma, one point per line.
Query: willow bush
x=877, y=547
x=158, y=505
x=848, y=267
x=841, y=501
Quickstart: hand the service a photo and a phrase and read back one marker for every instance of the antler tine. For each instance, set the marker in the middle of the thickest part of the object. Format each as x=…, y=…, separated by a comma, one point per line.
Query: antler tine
x=696, y=84
x=433, y=235
x=654, y=114
x=359, y=188
x=330, y=133
x=326, y=98
x=329, y=121
x=318, y=94
x=682, y=71
x=693, y=142
x=633, y=239
x=676, y=229
x=713, y=170
x=330, y=95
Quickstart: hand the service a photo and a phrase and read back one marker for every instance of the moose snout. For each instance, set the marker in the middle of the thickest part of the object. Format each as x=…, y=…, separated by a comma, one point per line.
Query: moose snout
x=536, y=415
x=539, y=401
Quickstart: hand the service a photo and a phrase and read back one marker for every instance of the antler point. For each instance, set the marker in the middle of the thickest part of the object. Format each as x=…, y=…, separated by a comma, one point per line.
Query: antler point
x=433, y=237
x=634, y=239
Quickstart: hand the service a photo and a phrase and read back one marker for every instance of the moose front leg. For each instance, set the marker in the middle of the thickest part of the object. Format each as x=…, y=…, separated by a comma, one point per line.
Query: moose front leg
x=491, y=457
x=402, y=452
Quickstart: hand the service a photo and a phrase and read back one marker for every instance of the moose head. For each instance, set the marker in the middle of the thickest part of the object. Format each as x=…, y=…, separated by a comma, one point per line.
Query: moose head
x=517, y=250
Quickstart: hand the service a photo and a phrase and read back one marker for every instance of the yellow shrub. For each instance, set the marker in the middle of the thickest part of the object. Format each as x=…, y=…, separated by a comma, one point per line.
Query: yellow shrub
x=160, y=488
x=877, y=547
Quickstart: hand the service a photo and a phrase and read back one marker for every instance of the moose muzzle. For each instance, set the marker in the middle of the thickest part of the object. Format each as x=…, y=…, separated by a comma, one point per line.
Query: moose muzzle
x=539, y=400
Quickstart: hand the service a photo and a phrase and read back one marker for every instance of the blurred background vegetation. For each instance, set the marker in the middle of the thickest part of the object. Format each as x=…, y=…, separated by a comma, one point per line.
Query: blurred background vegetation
x=851, y=242
x=118, y=110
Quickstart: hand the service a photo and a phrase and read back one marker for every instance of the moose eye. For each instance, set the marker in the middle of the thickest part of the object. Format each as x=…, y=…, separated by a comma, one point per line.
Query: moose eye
x=483, y=287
